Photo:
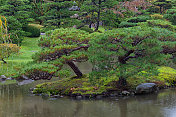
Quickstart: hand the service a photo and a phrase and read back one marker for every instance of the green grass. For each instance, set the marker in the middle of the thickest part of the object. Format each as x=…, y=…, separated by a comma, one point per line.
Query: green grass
x=28, y=48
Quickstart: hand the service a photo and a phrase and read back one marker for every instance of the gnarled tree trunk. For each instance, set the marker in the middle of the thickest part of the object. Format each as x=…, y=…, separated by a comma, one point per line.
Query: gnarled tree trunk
x=75, y=69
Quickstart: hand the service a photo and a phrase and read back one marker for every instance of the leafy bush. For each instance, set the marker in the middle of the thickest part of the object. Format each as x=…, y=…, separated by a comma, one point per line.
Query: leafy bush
x=138, y=19
x=157, y=16
x=127, y=24
x=161, y=24
x=87, y=29
x=171, y=15
x=32, y=31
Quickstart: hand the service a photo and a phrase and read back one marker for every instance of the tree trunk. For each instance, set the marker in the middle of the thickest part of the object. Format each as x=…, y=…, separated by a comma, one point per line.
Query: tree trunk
x=122, y=81
x=98, y=18
x=3, y=60
x=75, y=69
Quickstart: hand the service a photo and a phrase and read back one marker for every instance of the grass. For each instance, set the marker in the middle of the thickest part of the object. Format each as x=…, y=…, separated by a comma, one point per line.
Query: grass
x=14, y=62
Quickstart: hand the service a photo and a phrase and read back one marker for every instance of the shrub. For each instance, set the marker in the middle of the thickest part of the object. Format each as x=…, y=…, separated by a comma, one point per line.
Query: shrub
x=171, y=15
x=161, y=24
x=127, y=24
x=87, y=29
x=138, y=19
x=32, y=31
x=157, y=16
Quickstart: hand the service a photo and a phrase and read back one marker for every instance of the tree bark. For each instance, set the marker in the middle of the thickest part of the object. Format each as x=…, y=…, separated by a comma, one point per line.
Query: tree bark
x=122, y=81
x=75, y=69
x=3, y=60
x=98, y=18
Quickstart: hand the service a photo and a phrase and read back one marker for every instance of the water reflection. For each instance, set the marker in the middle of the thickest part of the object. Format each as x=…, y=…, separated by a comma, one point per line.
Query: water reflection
x=16, y=101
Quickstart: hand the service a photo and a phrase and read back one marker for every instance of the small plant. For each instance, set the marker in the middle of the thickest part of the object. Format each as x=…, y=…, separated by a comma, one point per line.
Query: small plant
x=32, y=31
x=157, y=16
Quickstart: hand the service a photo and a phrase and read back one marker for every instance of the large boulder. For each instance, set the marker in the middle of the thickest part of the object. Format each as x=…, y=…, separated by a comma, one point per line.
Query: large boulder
x=146, y=88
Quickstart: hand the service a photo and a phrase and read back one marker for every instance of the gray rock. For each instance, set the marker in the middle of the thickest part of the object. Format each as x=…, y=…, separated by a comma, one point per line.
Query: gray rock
x=9, y=78
x=74, y=8
x=56, y=96
x=42, y=33
x=24, y=77
x=126, y=93
x=25, y=82
x=146, y=88
x=3, y=77
x=79, y=97
x=74, y=16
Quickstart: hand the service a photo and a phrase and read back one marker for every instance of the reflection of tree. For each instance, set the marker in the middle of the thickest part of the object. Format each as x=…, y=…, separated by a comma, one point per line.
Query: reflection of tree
x=78, y=109
x=123, y=108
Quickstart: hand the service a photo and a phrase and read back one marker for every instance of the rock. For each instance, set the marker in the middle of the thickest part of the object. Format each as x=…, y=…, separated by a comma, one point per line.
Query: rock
x=25, y=82
x=42, y=33
x=9, y=78
x=74, y=16
x=74, y=8
x=56, y=96
x=24, y=77
x=3, y=77
x=79, y=97
x=126, y=93
x=146, y=88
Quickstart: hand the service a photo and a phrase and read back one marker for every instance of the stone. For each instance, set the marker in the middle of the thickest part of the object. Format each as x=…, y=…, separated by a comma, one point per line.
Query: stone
x=56, y=96
x=25, y=82
x=146, y=88
x=74, y=16
x=24, y=77
x=126, y=93
x=74, y=8
x=79, y=97
x=9, y=78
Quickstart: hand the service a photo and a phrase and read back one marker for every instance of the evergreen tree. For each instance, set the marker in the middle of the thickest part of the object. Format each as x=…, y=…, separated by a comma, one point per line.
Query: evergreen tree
x=129, y=51
x=61, y=46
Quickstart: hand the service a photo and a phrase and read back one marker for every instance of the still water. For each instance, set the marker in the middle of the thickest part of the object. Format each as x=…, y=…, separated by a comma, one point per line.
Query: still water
x=16, y=101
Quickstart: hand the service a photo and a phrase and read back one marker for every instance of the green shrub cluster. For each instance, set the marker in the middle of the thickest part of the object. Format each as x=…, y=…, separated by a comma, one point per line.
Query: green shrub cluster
x=171, y=15
x=157, y=16
x=127, y=24
x=87, y=29
x=138, y=19
x=161, y=24
x=32, y=31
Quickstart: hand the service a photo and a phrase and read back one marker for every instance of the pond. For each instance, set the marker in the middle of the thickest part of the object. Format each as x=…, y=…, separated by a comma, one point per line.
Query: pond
x=17, y=101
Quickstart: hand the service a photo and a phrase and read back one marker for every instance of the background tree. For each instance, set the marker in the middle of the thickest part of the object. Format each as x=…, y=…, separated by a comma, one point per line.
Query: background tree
x=130, y=51
x=18, y=14
x=6, y=47
x=56, y=14
x=96, y=11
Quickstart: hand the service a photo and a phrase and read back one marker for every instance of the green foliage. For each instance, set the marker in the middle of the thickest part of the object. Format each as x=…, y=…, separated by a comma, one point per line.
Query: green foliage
x=59, y=47
x=157, y=16
x=87, y=29
x=138, y=19
x=171, y=15
x=32, y=30
x=129, y=51
x=161, y=24
x=125, y=24
x=17, y=17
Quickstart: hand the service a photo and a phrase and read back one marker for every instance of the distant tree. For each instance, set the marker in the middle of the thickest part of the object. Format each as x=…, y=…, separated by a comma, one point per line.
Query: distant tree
x=6, y=47
x=18, y=14
x=95, y=11
x=61, y=46
x=129, y=51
